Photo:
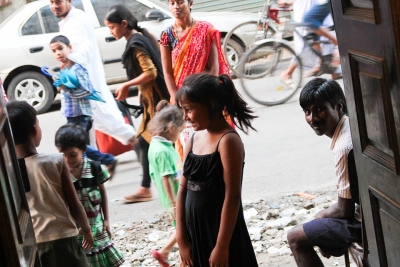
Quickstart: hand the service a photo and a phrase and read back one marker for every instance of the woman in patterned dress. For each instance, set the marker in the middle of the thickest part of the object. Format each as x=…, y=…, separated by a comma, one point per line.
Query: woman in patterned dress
x=187, y=47
x=89, y=178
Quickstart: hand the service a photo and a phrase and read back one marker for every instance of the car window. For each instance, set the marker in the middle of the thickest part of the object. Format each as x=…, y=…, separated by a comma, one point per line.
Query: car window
x=50, y=21
x=32, y=26
x=101, y=7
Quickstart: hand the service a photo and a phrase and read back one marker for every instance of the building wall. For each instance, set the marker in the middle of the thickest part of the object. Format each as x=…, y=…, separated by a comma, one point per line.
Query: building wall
x=229, y=5
x=7, y=10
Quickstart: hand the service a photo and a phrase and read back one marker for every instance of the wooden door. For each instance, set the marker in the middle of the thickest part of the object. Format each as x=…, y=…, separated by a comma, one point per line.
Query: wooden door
x=17, y=238
x=368, y=33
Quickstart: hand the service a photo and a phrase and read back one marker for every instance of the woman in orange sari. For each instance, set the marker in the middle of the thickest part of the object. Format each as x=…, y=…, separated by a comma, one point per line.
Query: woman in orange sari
x=188, y=47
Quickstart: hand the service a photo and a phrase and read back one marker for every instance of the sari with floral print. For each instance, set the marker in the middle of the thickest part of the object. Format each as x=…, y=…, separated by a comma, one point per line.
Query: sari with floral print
x=190, y=53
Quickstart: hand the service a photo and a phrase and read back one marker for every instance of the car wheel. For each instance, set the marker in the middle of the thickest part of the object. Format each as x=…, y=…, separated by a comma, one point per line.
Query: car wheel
x=233, y=53
x=33, y=88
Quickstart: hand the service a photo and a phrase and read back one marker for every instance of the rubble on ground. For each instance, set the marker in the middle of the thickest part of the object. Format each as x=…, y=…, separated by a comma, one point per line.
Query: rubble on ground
x=268, y=222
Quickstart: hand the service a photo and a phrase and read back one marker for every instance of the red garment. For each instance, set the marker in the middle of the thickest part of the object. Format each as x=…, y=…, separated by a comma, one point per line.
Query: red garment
x=110, y=145
x=190, y=53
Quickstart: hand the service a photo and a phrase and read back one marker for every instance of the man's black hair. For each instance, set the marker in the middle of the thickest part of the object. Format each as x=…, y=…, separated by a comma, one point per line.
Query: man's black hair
x=22, y=117
x=320, y=89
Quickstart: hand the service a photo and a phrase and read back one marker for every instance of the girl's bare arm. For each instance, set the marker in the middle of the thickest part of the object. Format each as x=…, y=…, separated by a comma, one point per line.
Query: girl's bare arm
x=149, y=74
x=213, y=59
x=166, y=182
x=166, y=60
x=231, y=151
x=104, y=209
x=75, y=206
x=184, y=245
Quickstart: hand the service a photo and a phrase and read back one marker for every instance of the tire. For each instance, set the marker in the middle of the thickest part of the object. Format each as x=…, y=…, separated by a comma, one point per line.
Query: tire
x=261, y=69
x=33, y=88
x=233, y=53
x=239, y=40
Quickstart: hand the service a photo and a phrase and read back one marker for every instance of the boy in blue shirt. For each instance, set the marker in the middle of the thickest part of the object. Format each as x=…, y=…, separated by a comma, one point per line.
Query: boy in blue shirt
x=75, y=105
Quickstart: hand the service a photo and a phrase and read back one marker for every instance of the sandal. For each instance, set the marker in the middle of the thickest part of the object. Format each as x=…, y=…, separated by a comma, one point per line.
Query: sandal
x=287, y=81
x=161, y=260
x=135, y=198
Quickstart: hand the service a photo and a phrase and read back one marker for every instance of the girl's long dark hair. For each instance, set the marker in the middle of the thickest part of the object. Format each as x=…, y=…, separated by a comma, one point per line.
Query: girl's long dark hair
x=217, y=94
x=118, y=13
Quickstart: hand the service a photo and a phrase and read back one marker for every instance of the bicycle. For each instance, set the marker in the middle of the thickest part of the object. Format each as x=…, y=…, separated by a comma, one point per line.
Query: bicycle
x=242, y=37
x=261, y=67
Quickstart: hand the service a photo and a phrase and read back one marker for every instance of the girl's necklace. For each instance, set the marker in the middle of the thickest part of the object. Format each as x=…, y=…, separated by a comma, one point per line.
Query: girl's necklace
x=175, y=27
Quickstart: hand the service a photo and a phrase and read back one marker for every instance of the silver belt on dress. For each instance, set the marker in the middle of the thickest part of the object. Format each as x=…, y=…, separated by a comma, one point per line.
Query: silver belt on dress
x=195, y=185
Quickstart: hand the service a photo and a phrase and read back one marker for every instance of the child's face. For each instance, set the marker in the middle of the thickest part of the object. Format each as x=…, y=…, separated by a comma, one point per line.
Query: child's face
x=118, y=30
x=174, y=133
x=73, y=156
x=195, y=113
x=60, y=51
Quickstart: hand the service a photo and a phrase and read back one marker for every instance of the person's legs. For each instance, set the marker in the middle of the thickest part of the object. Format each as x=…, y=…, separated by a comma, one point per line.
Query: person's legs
x=104, y=158
x=168, y=247
x=64, y=252
x=332, y=236
x=96, y=155
x=302, y=248
x=162, y=255
x=84, y=121
x=144, y=150
x=287, y=74
x=144, y=192
x=315, y=18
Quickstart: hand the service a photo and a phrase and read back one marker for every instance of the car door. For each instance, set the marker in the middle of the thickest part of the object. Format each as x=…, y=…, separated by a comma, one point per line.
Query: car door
x=35, y=40
x=36, y=33
x=112, y=49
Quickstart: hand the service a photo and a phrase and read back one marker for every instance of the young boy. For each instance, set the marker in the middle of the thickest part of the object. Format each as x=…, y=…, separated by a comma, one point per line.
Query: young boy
x=75, y=105
x=53, y=203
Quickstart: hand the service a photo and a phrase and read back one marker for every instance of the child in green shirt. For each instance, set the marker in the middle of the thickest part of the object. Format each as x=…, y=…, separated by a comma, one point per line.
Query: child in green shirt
x=164, y=164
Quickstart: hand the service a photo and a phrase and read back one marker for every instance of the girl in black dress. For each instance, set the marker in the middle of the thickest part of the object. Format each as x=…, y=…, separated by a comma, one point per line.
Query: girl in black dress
x=211, y=230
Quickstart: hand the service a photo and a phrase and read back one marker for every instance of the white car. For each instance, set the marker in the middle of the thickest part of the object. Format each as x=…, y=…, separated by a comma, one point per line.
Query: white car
x=29, y=30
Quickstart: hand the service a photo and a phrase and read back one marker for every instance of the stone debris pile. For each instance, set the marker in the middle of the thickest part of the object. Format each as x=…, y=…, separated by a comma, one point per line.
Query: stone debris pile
x=268, y=222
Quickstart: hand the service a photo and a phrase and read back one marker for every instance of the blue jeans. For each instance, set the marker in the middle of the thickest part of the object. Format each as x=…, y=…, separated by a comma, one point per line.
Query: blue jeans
x=103, y=158
x=316, y=16
x=86, y=123
x=83, y=120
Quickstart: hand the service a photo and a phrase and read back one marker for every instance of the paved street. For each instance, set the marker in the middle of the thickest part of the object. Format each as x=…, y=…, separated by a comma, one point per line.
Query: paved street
x=283, y=156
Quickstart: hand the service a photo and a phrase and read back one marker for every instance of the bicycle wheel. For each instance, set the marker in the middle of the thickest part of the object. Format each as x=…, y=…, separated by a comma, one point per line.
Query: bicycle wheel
x=239, y=40
x=261, y=69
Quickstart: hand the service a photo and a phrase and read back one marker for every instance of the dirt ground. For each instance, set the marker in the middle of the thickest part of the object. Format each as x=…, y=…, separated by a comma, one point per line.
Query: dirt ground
x=137, y=241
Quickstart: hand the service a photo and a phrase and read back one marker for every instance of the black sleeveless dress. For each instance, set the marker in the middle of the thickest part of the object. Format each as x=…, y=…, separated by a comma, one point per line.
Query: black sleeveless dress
x=203, y=207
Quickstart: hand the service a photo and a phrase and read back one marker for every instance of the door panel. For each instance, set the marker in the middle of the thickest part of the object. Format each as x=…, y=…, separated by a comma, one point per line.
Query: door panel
x=17, y=238
x=368, y=37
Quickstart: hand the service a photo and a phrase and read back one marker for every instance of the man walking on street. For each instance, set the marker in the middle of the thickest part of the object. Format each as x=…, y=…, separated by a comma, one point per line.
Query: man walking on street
x=77, y=27
x=336, y=227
